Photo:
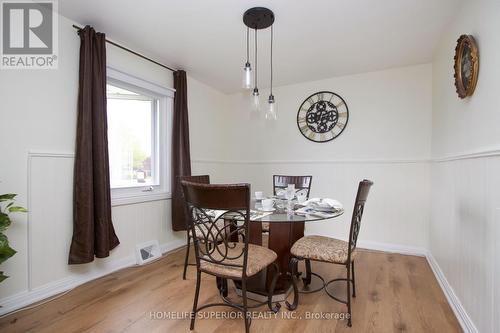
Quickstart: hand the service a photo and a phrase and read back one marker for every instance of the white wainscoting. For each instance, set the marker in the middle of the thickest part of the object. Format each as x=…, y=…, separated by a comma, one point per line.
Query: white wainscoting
x=398, y=208
x=462, y=250
x=495, y=310
x=50, y=225
x=50, y=216
x=464, y=234
x=455, y=303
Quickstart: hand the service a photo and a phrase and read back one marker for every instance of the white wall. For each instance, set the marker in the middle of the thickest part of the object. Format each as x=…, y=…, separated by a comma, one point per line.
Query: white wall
x=389, y=118
x=465, y=217
x=387, y=140
x=393, y=115
x=38, y=114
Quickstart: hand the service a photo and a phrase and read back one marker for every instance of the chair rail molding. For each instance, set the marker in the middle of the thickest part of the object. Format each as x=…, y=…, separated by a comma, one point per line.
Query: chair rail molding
x=478, y=153
x=473, y=154
x=333, y=161
x=35, y=153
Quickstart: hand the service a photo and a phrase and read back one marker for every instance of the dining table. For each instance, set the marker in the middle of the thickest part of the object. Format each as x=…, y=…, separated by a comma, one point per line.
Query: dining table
x=285, y=228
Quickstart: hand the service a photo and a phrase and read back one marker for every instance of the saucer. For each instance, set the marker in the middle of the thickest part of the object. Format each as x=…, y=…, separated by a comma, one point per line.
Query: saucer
x=266, y=210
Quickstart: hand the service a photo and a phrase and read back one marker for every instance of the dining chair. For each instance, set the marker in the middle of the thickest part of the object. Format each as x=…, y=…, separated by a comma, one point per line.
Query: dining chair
x=203, y=179
x=281, y=182
x=302, y=183
x=331, y=250
x=216, y=253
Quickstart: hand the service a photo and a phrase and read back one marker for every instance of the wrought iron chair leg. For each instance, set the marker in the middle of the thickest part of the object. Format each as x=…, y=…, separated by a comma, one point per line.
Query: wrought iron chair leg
x=222, y=286
x=186, y=260
x=307, y=279
x=195, y=303
x=277, y=307
x=297, y=273
x=225, y=289
x=291, y=275
x=348, y=281
x=353, y=280
x=245, y=306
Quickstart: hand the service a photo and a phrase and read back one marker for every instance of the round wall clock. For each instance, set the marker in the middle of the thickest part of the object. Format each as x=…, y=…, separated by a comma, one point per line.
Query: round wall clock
x=466, y=66
x=322, y=116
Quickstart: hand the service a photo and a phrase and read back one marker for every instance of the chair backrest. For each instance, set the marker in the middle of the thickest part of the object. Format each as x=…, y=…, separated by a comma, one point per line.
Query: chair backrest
x=216, y=213
x=357, y=214
x=301, y=183
x=202, y=179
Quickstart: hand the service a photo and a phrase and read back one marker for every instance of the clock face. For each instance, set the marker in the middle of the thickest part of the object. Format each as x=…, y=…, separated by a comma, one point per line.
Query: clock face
x=322, y=116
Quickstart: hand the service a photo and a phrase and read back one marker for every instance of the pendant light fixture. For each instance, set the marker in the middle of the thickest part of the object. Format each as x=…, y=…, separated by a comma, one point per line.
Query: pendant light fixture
x=259, y=18
x=247, y=76
x=271, y=108
x=255, y=93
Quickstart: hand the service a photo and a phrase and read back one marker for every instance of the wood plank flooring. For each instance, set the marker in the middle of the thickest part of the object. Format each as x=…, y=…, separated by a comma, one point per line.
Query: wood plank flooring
x=395, y=293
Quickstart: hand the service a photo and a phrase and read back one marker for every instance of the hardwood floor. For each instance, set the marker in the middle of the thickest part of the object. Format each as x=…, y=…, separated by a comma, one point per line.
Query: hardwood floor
x=395, y=293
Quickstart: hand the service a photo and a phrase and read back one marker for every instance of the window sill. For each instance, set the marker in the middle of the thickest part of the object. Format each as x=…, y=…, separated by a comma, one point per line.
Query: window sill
x=135, y=199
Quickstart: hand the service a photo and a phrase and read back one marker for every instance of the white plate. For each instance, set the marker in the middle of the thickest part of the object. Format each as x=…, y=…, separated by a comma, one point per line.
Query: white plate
x=326, y=209
x=265, y=210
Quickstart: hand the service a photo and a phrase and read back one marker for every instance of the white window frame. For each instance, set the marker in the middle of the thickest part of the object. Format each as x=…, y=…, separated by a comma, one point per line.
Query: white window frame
x=161, y=145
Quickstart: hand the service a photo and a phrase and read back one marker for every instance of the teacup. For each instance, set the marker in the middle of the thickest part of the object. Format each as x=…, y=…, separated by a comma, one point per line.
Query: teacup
x=259, y=195
x=267, y=204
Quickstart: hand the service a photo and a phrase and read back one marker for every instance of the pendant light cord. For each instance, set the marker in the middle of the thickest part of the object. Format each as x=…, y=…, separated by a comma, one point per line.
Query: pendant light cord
x=256, y=58
x=248, y=45
x=272, y=59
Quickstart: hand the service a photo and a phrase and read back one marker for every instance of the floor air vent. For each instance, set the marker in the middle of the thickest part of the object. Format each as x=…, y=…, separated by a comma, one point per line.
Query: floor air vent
x=147, y=252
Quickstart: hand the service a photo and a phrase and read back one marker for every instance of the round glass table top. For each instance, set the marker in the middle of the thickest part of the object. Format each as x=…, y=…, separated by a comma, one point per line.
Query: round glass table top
x=280, y=215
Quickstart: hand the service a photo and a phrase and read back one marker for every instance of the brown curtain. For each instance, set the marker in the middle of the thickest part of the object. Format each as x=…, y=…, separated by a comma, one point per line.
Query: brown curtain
x=93, y=232
x=181, y=157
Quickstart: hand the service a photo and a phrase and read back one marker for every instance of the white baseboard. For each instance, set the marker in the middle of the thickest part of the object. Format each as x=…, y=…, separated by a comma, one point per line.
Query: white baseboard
x=455, y=304
x=25, y=298
x=173, y=245
x=393, y=248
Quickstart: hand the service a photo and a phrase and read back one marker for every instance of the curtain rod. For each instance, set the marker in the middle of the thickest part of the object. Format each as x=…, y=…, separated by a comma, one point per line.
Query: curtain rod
x=133, y=52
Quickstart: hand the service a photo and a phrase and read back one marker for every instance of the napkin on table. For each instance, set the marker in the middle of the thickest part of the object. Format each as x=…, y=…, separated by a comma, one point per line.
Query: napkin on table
x=323, y=204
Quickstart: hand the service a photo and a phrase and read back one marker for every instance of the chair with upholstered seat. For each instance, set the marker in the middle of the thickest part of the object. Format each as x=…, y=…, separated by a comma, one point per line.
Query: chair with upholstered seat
x=281, y=182
x=218, y=251
x=202, y=179
x=331, y=250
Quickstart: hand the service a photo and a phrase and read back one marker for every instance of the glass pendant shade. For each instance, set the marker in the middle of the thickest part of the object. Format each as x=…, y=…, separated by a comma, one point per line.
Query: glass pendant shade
x=271, y=109
x=256, y=100
x=247, y=76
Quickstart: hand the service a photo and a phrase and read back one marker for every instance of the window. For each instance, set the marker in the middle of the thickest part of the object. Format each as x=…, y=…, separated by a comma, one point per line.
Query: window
x=132, y=136
x=138, y=126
